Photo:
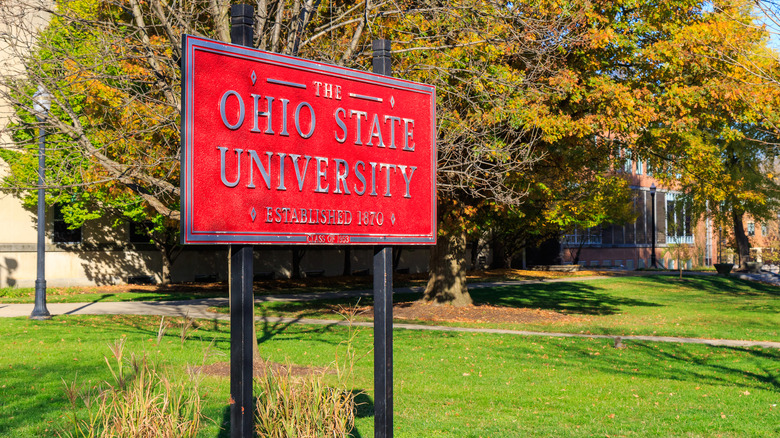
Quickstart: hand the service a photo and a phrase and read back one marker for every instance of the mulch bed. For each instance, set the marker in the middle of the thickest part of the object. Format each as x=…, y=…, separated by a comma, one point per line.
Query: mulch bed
x=422, y=311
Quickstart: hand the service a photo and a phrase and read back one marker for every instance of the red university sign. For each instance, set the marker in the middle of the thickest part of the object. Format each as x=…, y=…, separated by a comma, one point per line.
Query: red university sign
x=277, y=149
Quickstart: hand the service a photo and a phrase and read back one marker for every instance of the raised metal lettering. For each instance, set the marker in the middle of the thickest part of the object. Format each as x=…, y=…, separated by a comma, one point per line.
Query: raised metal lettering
x=268, y=128
x=222, y=151
x=408, y=134
x=357, y=123
x=341, y=124
x=373, y=178
x=341, y=177
x=360, y=177
x=241, y=113
x=265, y=173
x=392, y=129
x=387, y=168
x=321, y=174
x=281, y=171
x=298, y=122
x=375, y=131
x=407, y=179
x=284, y=118
x=301, y=176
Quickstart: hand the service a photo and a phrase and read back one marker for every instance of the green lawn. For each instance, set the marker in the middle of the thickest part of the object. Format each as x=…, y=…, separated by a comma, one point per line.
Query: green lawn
x=186, y=291
x=91, y=295
x=697, y=306
x=446, y=384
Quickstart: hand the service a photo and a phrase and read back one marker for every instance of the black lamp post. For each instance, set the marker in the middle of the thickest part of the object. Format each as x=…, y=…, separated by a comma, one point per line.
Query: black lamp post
x=652, y=253
x=41, y=106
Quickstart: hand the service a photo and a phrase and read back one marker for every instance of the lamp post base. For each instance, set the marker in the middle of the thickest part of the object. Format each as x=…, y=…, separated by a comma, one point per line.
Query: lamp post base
x=40, y=312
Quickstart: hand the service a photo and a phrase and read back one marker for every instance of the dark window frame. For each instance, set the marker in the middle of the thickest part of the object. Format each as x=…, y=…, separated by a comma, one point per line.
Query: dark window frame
x=138, y=232
x=61, y=231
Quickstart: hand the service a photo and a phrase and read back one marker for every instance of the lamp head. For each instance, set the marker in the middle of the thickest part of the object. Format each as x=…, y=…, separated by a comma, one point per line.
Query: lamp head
x=41, y=101
x=652, y=189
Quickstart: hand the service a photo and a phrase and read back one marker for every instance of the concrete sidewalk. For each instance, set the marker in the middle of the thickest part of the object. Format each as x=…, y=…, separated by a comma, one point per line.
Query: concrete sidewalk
x=199, y=309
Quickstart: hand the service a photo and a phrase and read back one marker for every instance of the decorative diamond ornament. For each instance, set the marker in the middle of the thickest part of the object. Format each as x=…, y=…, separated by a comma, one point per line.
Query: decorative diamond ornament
x=392, y=218
x=253, y=213
x=254, y=77
x=392, y=102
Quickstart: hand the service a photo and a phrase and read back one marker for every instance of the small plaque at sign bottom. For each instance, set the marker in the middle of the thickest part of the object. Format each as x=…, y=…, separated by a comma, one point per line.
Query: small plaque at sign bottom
x=331, y=239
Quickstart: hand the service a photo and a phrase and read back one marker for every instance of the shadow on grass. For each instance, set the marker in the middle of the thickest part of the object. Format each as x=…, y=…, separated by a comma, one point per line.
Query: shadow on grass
x=33, y=395
x=364, y=408
x=567, y=297
x=740, y=367
x=735, y=286
x=713, y=284
x=224, y=427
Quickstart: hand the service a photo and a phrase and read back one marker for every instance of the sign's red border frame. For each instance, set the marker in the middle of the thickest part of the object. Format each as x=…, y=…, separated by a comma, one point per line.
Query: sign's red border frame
x=190, y=236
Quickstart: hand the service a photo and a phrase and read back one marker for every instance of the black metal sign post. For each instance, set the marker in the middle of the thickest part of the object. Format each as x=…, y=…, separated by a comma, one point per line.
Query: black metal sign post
x=383, y=342
x=383, y=301
x=241, y=360
x=242, y=301
x=241, y=294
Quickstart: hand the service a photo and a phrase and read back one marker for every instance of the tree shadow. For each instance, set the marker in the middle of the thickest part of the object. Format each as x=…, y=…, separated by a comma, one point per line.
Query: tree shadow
x=565, y=297
x=364, y=408
x=224, y=427
x=10, y=266
x=26, y=399
x=696, y=363
x=714, y=284
x=735, y=286
x=271, y=327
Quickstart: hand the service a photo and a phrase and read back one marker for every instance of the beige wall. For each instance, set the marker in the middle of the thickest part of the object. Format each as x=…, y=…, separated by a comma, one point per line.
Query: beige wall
x=101, y=258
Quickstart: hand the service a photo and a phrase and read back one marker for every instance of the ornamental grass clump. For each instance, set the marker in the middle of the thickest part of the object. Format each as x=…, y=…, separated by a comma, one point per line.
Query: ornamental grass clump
x=305, y=406
x=141, y=401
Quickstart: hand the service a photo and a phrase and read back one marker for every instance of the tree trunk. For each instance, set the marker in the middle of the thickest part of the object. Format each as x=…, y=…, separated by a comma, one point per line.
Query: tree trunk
x=497, y=246
x=474, y=253
x=347, y=261
x=579, y=251
x=168, y=253
x=397, y=256
x=447, y=271
x=743, y=243
x=679, y=265
x=165, y=275
x=297, y=256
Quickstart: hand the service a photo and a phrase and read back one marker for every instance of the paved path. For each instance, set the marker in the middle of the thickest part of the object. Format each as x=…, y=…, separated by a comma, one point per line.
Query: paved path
x=199, y=309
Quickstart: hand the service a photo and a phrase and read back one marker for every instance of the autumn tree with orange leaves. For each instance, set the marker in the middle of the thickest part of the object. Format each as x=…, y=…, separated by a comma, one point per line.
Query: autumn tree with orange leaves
x=535, y=98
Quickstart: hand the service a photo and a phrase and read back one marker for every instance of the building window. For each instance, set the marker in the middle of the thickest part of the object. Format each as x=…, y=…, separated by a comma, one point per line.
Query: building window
x=764, y=230
x=639, y=166
x=580, y=237
x=627, y=164
x=139, y=232
x=678, y=220
x=751, y=229
x=62, y=232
